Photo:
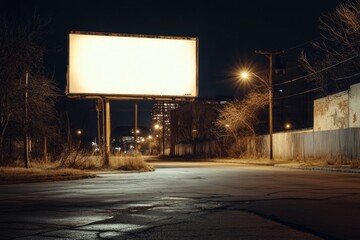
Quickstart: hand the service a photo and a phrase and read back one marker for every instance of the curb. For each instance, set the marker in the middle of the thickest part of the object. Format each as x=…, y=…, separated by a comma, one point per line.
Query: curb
x=343, y=170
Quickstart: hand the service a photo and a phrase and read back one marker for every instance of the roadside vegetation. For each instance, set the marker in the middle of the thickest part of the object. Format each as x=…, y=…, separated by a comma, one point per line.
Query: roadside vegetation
x=76, y=165
x=27, y=175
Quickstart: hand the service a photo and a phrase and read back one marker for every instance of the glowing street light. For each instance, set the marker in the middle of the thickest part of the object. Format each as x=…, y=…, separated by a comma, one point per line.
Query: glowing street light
x=245, y=75
x=78, y=133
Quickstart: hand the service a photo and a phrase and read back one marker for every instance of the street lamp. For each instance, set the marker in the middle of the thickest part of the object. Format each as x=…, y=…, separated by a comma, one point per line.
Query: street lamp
x=150, y=139
x=79, y=133
x=246, y=75
x=158, y=128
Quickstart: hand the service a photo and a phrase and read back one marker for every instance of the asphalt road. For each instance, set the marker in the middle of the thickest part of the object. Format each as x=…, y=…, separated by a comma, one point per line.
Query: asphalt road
x=187, y=201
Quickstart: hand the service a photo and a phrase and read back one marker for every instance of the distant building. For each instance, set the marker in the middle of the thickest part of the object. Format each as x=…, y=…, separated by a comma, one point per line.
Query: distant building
x=123, y=138
x=160, y=116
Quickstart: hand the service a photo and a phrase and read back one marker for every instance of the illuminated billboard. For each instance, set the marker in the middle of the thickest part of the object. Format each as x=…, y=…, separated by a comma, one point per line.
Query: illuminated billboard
x=132, y=65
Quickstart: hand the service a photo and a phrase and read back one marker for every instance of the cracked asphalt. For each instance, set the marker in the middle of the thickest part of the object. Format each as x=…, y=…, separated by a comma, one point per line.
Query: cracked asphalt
x=182, y=200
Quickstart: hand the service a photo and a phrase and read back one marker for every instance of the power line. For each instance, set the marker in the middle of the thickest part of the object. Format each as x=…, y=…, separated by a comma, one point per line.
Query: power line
x=347, y=77
x=299, y=45
x=307, y=91
x=319, y=71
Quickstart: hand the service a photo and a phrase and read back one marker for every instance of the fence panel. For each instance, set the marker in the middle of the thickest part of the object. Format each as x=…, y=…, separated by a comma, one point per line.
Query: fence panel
x=339, y=143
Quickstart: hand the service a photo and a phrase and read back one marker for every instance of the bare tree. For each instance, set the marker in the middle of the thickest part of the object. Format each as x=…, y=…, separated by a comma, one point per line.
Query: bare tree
x=336, y=63
x=21, y=52
x=237, y=119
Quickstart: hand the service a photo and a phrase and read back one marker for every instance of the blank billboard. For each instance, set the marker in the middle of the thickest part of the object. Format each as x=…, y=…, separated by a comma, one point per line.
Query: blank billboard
x=132, y=65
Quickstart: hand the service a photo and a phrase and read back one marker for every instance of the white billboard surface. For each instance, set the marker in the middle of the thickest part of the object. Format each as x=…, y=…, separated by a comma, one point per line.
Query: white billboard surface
x=126, y=65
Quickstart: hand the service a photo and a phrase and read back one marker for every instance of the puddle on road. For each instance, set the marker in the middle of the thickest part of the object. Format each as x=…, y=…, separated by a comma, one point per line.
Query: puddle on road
x=120, y=227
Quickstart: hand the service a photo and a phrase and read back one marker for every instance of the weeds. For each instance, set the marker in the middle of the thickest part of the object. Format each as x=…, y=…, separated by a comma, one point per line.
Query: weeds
x=20, y=174
x=80, y=159
x=130, y=163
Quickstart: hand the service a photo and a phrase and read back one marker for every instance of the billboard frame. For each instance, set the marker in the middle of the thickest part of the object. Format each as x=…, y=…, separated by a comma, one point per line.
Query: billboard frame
x=133, y=96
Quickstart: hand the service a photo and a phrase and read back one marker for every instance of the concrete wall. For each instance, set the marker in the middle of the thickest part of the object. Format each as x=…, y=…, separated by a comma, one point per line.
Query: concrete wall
x=331, y=112
x=354, y=106
x=337, y=111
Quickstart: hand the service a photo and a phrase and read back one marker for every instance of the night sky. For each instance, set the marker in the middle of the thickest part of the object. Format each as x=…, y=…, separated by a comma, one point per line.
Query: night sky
x=229, y=32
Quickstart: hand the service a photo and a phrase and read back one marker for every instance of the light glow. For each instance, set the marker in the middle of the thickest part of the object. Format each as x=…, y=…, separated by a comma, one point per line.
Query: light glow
x=132, y=65
x=244, y=75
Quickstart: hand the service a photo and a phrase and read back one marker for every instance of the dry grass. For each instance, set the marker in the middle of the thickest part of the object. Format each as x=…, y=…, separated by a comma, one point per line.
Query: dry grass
x=72, y=165
x=330, y=162
x=130, y=163
x=20, y=174
x=79, y=159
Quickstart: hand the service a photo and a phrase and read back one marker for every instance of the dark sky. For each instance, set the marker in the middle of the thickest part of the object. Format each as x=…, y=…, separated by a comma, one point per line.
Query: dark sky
x=229, y=32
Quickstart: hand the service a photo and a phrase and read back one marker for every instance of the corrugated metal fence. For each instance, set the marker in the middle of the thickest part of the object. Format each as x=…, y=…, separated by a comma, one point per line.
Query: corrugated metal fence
x=341, y=143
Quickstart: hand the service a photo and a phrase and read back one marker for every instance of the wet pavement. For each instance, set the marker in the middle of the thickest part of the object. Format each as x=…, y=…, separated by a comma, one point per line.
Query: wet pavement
x=187, y=201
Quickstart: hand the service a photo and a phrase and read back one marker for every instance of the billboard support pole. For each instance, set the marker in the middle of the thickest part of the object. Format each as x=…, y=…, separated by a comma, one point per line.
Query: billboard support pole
x=106, y=131
x=163, y=128
x=135, y=127
x=99, y=109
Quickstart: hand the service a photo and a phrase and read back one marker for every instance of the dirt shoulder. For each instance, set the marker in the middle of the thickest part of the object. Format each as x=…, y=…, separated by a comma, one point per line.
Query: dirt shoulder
x=310, y=164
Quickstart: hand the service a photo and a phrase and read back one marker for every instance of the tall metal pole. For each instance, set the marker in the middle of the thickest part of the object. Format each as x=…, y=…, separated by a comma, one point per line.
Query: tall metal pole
x=98, y=110
x=135, y=126
x=106, y=131
x=150, y=146
x=163, y=128
x=26, y=122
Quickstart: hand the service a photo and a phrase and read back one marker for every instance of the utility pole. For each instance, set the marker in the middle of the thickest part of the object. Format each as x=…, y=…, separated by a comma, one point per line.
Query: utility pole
x=270, y=55
x=26, y=123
